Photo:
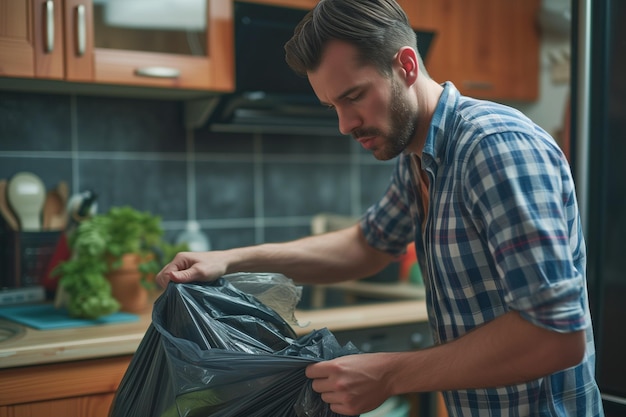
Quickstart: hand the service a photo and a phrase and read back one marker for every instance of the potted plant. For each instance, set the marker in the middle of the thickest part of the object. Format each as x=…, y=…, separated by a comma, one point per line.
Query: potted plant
x=114, y=255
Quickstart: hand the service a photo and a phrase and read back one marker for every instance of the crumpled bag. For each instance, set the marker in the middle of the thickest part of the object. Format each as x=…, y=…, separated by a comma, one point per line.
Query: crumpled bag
x=213, y=349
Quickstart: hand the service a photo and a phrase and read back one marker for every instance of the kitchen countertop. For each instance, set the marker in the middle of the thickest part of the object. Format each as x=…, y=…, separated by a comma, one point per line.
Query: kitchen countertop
x=32, y=347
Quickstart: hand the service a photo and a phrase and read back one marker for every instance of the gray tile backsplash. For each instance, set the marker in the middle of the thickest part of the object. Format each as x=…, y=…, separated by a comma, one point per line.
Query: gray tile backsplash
x=35, y=122
x=225, y=190
x=152, y=184
x=305, y=188
x=242, y=188
x=129, y=125
x=377, y=177
x=50, y=169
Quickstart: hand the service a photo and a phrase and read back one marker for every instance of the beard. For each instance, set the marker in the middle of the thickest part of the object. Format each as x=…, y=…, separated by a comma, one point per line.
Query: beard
x=402, y=122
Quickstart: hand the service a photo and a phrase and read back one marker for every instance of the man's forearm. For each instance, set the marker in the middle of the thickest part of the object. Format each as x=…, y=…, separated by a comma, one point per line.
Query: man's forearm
x=332, y=257
x=507, y=351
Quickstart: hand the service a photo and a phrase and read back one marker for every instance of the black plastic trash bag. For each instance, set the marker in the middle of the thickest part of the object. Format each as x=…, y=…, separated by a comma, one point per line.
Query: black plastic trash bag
x=214, y=350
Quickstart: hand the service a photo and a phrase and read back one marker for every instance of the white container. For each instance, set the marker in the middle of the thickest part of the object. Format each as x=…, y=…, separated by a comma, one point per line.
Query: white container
x=194, y=238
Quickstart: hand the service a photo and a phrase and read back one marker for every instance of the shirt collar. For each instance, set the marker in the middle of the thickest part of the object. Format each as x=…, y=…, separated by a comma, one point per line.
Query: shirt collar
x=436, y=141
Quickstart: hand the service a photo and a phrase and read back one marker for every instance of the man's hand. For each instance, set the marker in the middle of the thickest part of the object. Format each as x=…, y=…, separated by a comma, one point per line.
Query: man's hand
x=192, y=266
x=352, y=384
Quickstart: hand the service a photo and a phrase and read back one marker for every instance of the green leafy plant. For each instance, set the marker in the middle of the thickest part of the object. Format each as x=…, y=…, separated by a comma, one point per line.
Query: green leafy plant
x=98, y=245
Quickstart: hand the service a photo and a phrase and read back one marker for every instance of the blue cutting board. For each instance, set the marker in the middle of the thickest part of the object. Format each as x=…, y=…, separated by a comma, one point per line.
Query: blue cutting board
x=47, y=317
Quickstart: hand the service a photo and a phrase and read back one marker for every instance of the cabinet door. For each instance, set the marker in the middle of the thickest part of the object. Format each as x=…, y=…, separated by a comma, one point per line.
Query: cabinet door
x=76, y=389
x=186, y=44
x=487, y=48
x=31, y=38
x=48, y=38
x=79, y=58
x=16, y=39
x=92, y=406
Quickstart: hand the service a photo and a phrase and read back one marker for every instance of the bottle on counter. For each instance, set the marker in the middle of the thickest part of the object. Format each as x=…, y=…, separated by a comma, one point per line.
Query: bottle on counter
x=193, y=236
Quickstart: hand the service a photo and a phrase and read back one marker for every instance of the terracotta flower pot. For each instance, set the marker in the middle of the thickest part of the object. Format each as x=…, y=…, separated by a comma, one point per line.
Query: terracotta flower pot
x=126, y=285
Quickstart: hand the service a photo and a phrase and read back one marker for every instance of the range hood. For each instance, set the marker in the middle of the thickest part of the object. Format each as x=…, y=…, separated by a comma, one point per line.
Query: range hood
x=269, y=96
x=272, y=113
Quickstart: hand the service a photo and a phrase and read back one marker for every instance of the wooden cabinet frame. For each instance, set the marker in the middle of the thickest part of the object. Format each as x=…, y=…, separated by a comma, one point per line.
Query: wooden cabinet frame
x=82, y=388
x=26, y=28
x=16, y=39
x=488, y=48
x=215, y=72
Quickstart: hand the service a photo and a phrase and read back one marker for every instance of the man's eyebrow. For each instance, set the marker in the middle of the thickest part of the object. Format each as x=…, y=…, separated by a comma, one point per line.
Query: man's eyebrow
x=343, y=95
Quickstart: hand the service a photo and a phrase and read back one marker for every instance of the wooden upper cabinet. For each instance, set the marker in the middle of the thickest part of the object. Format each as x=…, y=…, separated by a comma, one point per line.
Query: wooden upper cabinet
x=78, y=30
x=31, y=38
x=106, y=42
x=16, y=39
x=164, y=52
x=488, y=48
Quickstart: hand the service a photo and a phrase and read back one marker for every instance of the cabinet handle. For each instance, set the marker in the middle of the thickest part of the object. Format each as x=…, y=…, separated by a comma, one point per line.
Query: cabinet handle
x=158, y=72
x=49, y=22
x=478, y=85
x=81, y=30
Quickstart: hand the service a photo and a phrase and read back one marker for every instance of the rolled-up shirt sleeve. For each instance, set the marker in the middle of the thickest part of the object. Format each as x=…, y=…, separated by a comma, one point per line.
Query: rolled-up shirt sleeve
x=388, y=224
x=530, y=221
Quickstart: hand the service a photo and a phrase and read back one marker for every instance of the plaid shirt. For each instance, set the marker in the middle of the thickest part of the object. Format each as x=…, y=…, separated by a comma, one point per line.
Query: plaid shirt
x=501, y=232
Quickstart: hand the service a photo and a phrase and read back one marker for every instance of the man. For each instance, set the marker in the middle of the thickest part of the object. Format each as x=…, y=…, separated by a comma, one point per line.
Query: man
x=488, y=198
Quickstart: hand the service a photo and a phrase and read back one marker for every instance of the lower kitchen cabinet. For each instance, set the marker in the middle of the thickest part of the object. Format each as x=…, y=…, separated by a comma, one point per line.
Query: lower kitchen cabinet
x=92, y=405
x=87, y=387
x=69, y=389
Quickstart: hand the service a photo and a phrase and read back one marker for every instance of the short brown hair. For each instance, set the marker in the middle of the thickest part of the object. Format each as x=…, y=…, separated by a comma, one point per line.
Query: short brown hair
x=377, y=28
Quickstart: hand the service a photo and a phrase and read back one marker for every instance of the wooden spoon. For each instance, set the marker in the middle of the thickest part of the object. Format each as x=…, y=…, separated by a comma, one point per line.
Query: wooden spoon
x=55, y=207
x=54, y=211
x=64, y=192
x=5, y=211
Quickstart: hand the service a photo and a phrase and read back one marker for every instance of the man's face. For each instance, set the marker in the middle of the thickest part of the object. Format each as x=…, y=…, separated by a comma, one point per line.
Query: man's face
x=373, y=108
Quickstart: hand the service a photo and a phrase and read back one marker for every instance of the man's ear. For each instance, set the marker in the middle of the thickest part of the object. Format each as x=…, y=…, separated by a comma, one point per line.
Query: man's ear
x=408, y=64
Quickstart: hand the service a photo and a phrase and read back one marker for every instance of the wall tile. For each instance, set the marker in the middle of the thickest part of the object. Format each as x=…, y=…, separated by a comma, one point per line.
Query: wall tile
x=50, y=170
x=224, y=190
x=222, y=239
x=134, y=152
x=286, y=233
x=374, y=179
x=34, y=122
x=299, y=189
x=309, y=145
x=153, y=185
x=123, y=124
x=219, y=142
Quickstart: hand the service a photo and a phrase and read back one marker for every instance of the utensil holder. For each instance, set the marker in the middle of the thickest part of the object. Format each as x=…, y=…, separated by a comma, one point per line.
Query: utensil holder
x=24, y=256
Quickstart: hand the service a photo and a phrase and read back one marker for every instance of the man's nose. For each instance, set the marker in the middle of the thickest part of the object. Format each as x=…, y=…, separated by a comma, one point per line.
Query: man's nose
x=348, y=121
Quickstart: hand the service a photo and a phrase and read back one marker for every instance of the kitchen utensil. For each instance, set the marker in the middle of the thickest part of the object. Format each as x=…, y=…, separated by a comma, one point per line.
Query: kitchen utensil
x=64, y=191
x=54, y=212
x=55, y=215
x=5, y=211
x=81, y=206
x=26, y=195
x=87, y=205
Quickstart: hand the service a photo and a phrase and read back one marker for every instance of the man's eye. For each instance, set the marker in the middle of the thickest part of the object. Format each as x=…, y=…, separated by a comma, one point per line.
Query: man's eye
x=354, y=98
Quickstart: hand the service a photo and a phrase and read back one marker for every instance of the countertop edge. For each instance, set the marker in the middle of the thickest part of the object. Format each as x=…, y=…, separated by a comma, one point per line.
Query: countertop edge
x=36, y=347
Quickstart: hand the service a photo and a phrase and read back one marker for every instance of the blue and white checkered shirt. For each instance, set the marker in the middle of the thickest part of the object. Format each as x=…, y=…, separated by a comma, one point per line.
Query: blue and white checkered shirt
x=502, y=232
